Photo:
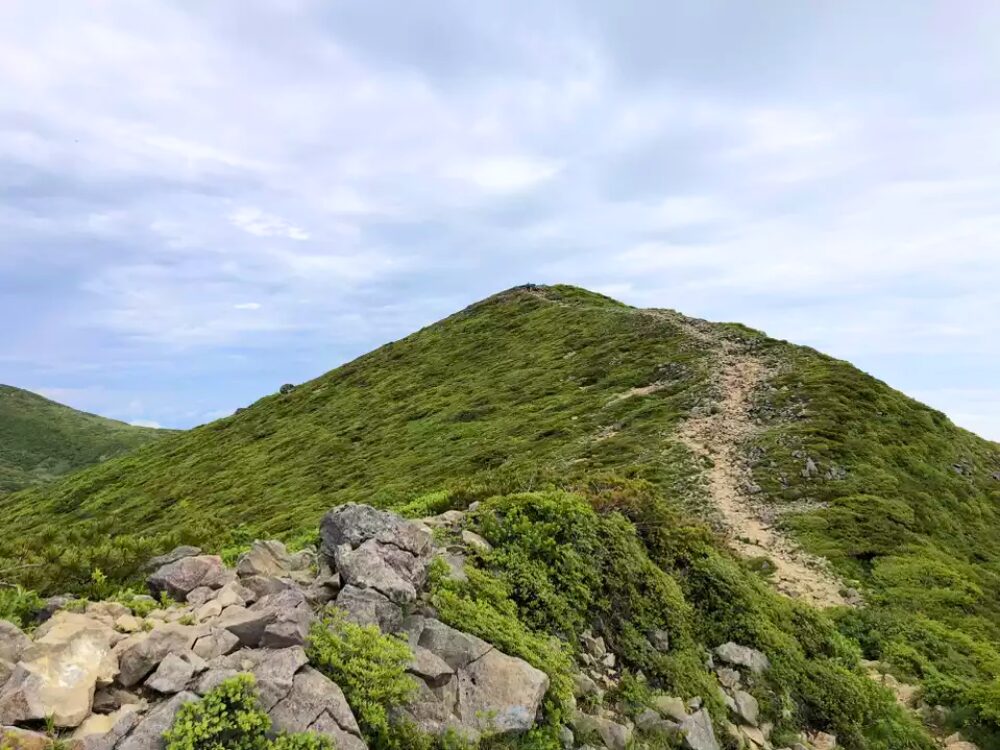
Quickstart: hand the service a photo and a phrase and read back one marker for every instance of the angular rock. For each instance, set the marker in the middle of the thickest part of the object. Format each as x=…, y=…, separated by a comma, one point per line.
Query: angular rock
x=109, y=699
x=822, y=741
x=429, y=667
x=177, y=579
x=585, y=687
x=728, y=678
x=13, y=642
x=148, y=733
x=312, y=694
x=743, y=656
x=456, y=648
x=472, y=539
x=273, y=668
x=15, y=738
x=500, y=693
x=261, y=586
x=172, y=675
x=58, y=673
x=291, y=621
x=367, y=567
x=178, y=553
x=218, y=642
x=614, y=736
x=326, y=725
x=747, y=707
x=353, y=524
x=247, y=625
x=104, y=731
x=140, y=654
x=271, y=558
x=698, y=732
x=368, y=607
x=671, y=707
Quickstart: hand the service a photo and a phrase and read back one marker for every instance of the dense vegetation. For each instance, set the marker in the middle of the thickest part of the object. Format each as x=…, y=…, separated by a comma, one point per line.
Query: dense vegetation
x=530, y=391
x=41, y=440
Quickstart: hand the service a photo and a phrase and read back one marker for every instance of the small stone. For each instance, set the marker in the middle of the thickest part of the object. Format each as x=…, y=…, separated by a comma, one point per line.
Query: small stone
x=660, y=640
x=475, y=541
x=171, y=676
x=128, y=624
x=671, y=707
x=698, y=733
x=743, y=656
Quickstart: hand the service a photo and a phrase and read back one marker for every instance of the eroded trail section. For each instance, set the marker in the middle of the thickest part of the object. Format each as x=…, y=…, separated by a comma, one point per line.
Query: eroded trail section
x=721, y=438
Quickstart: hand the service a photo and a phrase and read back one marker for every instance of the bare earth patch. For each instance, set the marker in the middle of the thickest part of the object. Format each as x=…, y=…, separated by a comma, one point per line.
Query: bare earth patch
x=720, y=438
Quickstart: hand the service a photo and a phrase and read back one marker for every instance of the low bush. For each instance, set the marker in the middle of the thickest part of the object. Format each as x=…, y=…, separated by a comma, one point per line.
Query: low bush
x=230, y=717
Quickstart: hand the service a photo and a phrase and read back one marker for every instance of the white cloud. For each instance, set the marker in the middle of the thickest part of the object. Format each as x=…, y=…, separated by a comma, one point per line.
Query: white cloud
x=256, y=222
x=508, y=173
x=247, y=306
x=146, y=423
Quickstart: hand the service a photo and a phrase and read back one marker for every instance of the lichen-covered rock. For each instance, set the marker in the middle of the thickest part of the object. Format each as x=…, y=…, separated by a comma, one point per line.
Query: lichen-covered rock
x=175, y=672
x=218, y=642
x=178, y=578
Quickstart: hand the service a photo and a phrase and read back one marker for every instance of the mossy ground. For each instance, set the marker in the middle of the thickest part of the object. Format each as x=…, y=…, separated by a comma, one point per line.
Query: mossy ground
x=523, y=392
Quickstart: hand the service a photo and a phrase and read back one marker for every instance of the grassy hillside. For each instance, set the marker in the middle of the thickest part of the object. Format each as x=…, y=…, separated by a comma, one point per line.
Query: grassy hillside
x=554, y=389
x=41, y=440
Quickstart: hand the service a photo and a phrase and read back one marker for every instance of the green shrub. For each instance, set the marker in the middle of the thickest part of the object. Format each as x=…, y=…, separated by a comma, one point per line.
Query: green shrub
x=231, y=718
x=371, y=670
x=19, y=605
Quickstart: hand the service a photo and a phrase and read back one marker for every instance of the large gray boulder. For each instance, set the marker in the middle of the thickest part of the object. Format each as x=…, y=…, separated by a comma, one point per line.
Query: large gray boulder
x=372, y=549
x=182, y=576
x=274, y=669
x=353, y=524
x=468, y=686
x=271, y=558
x=743, y=656
x=148, y=734
x=291, y=621
x=369, y=607
x=315, y=703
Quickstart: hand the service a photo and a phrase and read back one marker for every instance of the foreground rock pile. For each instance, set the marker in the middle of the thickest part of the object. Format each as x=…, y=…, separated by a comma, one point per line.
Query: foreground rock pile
x=114, y=680
x=110, y=679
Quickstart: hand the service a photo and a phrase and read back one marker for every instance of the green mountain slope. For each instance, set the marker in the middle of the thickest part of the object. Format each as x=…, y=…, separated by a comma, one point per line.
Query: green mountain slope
x=556, y=388
x=41, y=440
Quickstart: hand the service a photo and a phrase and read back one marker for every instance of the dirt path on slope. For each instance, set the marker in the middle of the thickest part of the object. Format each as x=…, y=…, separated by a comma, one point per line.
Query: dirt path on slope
x=720, y=438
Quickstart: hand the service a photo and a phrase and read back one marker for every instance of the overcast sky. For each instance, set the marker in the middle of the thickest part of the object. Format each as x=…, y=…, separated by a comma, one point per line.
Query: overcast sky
x=202, y=201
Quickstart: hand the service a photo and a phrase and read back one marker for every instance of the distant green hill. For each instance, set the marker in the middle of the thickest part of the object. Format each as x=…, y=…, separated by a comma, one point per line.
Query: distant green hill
x=555, y=387
x=41, y=440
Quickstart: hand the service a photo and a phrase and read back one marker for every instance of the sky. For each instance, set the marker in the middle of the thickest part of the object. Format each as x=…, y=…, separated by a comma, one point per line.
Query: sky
x=200, y=201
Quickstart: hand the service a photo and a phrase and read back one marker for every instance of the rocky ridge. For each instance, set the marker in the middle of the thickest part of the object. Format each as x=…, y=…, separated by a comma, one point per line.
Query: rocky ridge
x=111, y=679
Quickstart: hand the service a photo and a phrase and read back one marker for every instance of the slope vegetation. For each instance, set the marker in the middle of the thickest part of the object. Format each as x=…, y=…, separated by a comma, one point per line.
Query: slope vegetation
x=41, y=440
x=706, y=439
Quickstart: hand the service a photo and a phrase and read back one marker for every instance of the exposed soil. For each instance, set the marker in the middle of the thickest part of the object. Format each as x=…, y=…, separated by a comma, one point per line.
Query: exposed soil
x=720, y=439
